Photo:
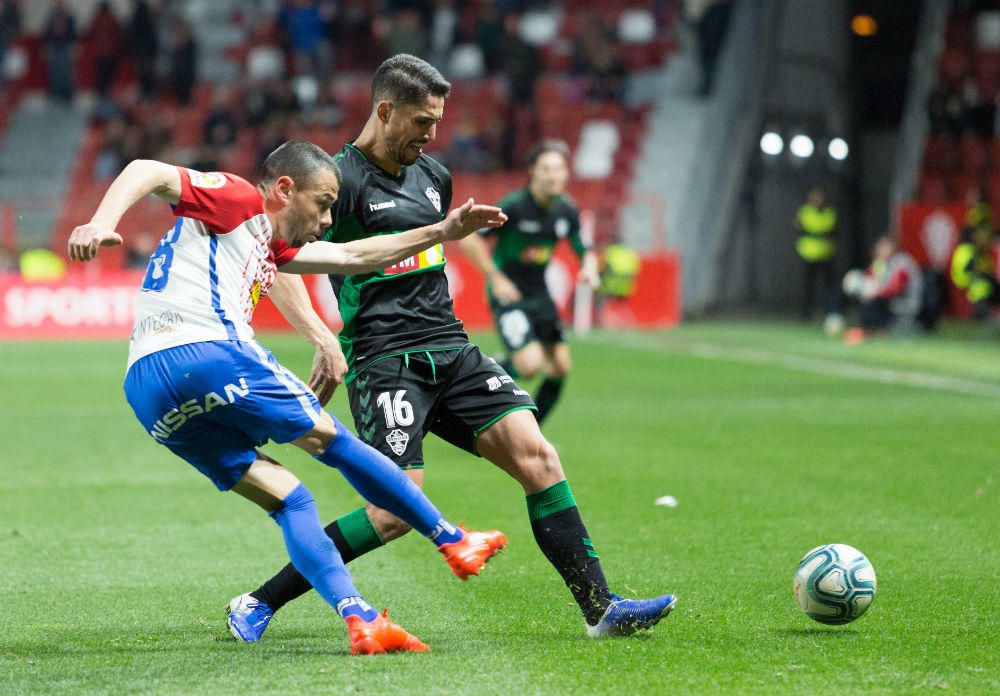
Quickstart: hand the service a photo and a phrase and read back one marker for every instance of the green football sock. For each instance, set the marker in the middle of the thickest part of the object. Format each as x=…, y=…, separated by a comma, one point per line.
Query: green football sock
x=353, y=534
x=562, y=537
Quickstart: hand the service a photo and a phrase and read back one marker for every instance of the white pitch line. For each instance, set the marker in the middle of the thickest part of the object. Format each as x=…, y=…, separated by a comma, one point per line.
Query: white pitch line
x=801, y=363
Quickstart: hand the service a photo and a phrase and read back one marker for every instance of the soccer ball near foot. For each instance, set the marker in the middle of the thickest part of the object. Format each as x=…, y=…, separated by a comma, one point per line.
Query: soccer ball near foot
x=834, y=584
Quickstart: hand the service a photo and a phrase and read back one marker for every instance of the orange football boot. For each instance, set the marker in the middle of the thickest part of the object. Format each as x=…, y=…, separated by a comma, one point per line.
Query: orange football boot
x=381, y=636
x=468, y=556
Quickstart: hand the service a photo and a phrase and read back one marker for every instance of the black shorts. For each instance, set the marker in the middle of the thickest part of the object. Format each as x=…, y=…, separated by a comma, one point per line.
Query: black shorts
x=455, y=394
x=531, y=319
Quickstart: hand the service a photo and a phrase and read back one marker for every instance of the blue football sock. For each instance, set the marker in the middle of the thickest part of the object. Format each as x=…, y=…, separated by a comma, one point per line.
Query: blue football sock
x=384, y=484
x=314, y=555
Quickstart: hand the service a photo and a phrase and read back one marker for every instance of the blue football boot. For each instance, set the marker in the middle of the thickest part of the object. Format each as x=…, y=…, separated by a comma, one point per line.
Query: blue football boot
x=248, y=617
x=623, y=617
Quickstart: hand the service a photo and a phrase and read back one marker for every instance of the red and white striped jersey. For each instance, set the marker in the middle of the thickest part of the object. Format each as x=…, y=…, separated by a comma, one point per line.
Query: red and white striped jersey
x=209, y=271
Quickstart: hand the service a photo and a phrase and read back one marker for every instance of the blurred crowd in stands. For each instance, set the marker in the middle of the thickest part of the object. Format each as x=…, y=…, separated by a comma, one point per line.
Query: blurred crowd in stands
x=292, y=48
x=148, y=58
x=961, y=160
x=964, y=118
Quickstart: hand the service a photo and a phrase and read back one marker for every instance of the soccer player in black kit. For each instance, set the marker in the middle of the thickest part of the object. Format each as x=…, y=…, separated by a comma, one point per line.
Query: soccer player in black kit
x=412, y=370
x=539, y=216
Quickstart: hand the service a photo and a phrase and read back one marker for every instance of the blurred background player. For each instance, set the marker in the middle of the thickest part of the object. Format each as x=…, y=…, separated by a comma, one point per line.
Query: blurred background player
x=202, y=387
x=413, y=371
x=539, y=216
x=890, y=292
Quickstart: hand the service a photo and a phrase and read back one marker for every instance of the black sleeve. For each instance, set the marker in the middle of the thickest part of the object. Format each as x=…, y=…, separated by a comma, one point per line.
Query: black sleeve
x=446, y=192
x=347, y=198
x=580, y=245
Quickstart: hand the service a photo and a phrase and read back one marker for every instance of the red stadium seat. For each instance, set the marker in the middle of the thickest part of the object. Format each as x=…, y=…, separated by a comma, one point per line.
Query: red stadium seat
x=993, y=187
x=939, y=153
x=962, y=183
x=932, y=187
x=955, y=64
x=975, y=154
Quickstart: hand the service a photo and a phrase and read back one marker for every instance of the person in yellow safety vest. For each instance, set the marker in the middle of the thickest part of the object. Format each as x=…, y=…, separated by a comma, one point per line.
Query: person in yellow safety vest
x=817, y=225
x=619, y=271
x=973, y=269
x=979, y=213
x=38, y=265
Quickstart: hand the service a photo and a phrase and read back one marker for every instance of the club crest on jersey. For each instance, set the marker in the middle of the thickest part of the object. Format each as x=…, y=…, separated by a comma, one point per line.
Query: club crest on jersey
x=207, y=179
x=435, y=197
x=397, y=440
x=562, y=227
x=255, y=292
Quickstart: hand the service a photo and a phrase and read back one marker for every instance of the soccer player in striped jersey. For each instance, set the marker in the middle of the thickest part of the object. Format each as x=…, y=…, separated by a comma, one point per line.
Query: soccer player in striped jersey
x=203, y=387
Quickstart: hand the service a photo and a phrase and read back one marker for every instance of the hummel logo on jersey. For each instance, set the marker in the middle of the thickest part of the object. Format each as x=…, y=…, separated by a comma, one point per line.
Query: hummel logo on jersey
x=176, y=417
x=495, y=383
x=382, y=206
x=435, y=197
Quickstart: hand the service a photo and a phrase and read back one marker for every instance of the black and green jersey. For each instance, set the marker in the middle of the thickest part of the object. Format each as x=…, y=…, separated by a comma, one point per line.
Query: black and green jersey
x=526, y=241
x=405, y=307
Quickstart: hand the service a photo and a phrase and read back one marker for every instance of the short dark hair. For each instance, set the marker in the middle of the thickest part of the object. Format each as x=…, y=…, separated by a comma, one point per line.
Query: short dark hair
x=298, y=159
x=406, y=79
x=547, y=145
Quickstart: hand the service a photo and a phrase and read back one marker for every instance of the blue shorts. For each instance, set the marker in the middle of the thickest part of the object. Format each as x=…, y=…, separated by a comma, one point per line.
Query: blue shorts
x=213, y=403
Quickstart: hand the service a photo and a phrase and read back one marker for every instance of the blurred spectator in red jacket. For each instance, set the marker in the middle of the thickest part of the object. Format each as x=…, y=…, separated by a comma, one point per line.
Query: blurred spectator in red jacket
x=106, y=44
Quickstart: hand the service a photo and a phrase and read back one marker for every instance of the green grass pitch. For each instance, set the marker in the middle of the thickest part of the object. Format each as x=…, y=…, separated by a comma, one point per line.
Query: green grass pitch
x=117, y=560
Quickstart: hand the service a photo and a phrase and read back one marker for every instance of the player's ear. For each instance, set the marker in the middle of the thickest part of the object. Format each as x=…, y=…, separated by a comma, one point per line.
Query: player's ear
x=284, y=187
x=383, y=110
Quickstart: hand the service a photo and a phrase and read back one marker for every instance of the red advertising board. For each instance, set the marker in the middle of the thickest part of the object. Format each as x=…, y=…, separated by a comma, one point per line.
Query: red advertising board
x=101, y=305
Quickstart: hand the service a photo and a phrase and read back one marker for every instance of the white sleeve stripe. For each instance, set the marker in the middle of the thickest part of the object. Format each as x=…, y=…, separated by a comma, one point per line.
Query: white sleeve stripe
x=293, y=383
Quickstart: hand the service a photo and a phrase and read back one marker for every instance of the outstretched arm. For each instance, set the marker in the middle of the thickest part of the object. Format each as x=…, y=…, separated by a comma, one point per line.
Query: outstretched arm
x=139, y=179
x=375, y=253
x=289, y=294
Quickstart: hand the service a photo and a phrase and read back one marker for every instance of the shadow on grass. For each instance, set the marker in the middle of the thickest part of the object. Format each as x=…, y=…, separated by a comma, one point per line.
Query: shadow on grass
x=59, y=643
x=831, y=633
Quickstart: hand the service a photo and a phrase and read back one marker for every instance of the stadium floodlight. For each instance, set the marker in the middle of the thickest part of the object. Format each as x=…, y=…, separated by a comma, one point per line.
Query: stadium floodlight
x=838, y=149
x=771, y=143
x=801, y=146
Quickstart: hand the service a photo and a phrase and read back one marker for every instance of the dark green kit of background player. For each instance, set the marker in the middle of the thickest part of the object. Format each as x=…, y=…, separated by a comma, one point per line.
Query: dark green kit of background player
x=524, y=247
x=405, y=348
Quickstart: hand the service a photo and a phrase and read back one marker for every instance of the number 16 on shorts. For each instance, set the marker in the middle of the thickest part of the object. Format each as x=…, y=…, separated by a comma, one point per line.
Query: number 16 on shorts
x=398, y=412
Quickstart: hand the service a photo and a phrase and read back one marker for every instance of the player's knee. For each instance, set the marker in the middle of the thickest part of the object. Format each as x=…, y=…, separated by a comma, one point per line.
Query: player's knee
x=540, y=465
x=318, y=439
x=561, y=368
x=528, y=365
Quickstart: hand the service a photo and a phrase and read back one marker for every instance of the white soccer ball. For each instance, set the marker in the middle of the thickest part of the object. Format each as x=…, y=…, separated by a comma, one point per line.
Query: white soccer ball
x=853, y=283
x=834, y=584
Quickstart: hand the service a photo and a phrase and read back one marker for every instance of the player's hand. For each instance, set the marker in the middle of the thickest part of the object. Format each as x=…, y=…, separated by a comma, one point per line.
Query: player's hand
x=463, y=221
x=503, y=290
x=86, y=239
x=328, y=370
x=589, y=276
